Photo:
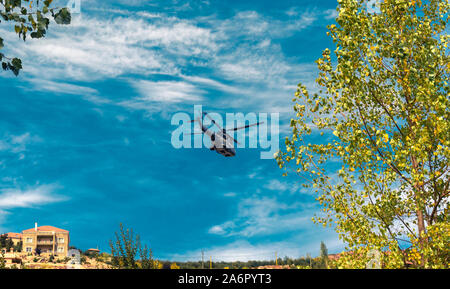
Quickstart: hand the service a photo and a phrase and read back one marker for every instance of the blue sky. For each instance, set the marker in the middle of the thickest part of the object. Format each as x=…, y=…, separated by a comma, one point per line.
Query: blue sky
x=85, y=129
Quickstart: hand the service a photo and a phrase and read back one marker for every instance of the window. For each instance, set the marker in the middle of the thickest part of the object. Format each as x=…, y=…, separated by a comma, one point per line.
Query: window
x=60, y=249
x=29, y=249
x=60, y=240
x=29, y=240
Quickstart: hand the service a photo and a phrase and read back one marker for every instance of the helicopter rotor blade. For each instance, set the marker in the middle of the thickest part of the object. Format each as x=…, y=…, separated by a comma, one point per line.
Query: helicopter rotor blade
x=238, y=128
x=212, y=120
x=222, y=129
x=243, y=127
x=229, y=136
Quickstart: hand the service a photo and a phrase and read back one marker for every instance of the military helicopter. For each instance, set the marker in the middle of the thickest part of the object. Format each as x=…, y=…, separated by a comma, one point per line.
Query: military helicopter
x=222, y=142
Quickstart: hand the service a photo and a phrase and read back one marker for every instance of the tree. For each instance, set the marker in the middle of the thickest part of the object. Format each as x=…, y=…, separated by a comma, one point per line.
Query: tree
x=146, y=255
x=3, y=239
x=18, y=246
x=2, y=260
x=385, y=97
x=28, y=21
x=324, y=255
x=126, y=248
x=9, y=244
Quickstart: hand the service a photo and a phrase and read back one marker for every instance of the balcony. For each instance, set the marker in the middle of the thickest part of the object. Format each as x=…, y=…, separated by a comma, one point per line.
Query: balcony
x=45, y=242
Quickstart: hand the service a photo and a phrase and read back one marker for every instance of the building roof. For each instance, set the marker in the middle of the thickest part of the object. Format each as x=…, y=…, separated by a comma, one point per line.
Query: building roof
x=46, y=229
x=14, y=235
x=274, y=267
x=334, y=256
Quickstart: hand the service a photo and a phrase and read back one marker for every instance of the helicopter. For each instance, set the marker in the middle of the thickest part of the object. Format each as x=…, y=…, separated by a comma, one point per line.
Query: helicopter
x=222, y=142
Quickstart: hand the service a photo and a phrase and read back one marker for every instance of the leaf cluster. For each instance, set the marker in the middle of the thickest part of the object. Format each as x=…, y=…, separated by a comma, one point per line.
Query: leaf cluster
x=28, y=20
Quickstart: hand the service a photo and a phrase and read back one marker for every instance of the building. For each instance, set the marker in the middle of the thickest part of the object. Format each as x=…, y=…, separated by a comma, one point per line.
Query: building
x=11, y=258
x=274, y=267
x=15, y=237
x=48, y=239
x=334, y=257
x=93, y=251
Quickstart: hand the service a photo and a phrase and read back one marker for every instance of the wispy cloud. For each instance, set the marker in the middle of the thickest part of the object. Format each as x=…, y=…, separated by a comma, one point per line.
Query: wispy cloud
x=167, y=91
x=265, y=216
x=93, y=48
x=276, y=185
x=330, y=13
x=60, y=87
x=17, y=144
x=244, y=250
x=242, y=50
x=30, y=197
x=292, y=187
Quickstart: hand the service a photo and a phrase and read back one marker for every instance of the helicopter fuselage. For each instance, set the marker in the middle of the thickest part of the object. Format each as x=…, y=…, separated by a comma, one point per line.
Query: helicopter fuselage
x=222, y=145
x=221, y=141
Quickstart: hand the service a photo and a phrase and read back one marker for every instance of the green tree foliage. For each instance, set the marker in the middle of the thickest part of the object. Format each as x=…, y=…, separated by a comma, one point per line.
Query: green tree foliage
x=18, y=246
x=128, y=253
x=324, y=255
x=28, y=20
x=385, y=97
x=9, y=244
x=3, y=240
x=2, y=260
x=307, y=262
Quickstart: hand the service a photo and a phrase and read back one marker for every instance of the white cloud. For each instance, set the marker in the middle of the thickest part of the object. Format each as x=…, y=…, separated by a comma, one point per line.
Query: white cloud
x=210, y=83
x=17, y=144
x=276, y=185
x=18, y=198
x=20, y=139
x=91, y=49
x=240, y=250
x=53, y=86
x=265, y=216
x=330, y=13
x=30, y=197
x=251, y=24
x=230, y=194
x=241, y=57
x=244, y=250
x=290, y=187
x=167, y=91
x=216, y=230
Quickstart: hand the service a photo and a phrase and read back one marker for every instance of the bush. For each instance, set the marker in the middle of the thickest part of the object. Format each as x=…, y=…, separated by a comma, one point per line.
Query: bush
x=127, y=248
